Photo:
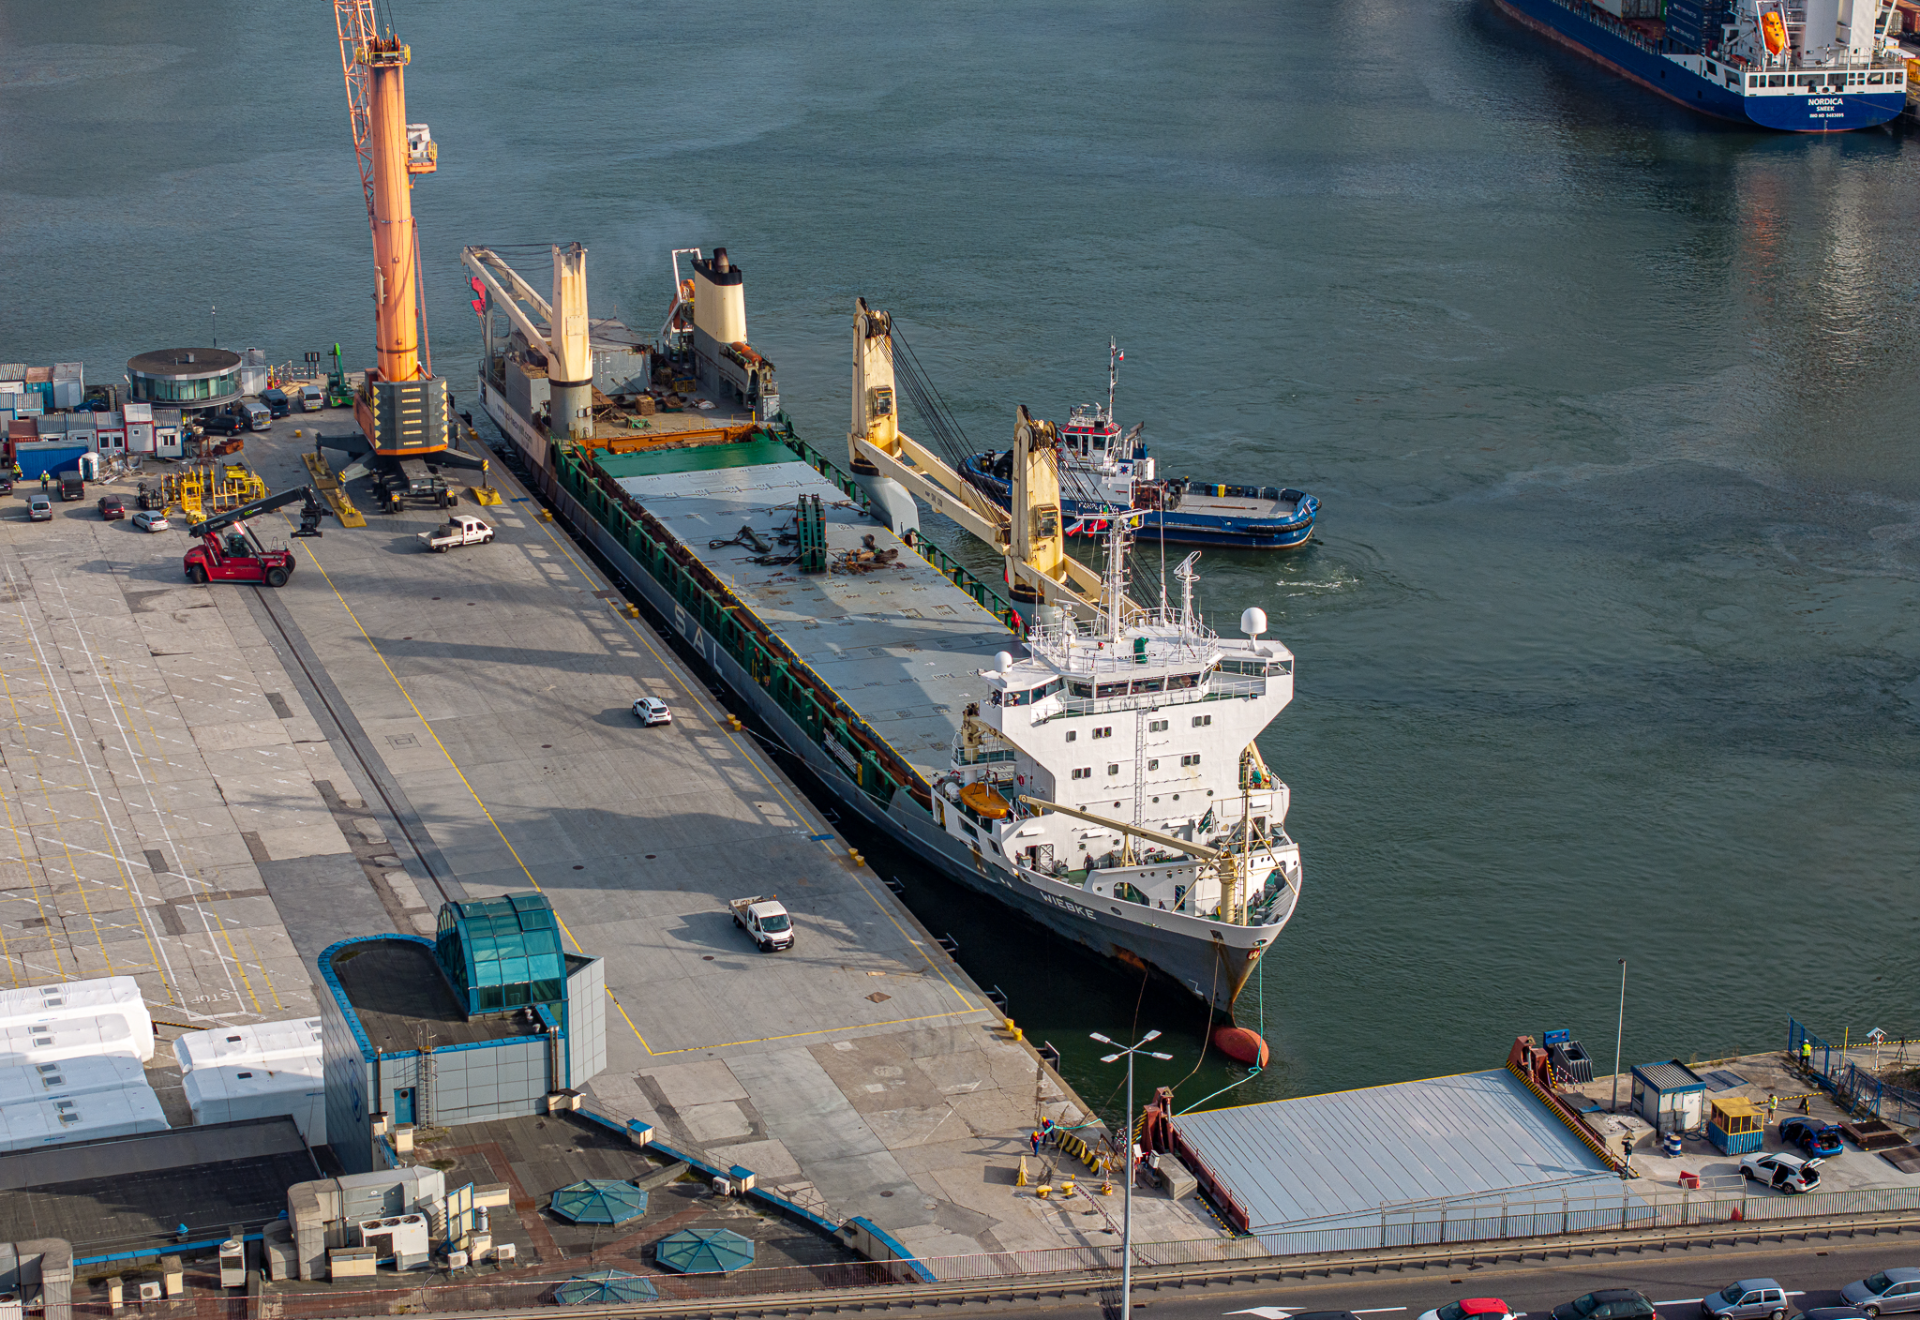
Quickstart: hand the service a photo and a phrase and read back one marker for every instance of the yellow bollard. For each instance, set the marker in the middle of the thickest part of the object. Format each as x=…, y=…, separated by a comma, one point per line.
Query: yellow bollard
x=1020, y=1173
x=1066, y=1189
x=858, y=860
x=1043, y=1191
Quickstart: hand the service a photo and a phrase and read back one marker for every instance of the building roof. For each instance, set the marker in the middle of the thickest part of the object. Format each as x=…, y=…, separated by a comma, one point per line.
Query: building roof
x=184, y=363
x=502, y=953
x=1329, y=1161
x=401, y=1002
x=132, y=1193
x=1671, y=1075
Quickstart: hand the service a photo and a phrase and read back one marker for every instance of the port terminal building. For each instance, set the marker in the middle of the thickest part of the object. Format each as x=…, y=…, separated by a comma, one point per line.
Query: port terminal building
x=482, y=1022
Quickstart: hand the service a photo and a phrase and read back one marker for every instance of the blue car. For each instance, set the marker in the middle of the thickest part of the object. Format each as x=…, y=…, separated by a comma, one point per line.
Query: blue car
x=1812, y=1136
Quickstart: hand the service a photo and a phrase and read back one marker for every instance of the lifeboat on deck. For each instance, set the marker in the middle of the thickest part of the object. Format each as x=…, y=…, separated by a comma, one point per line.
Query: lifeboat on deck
x=984, y=800
x=1774, y=30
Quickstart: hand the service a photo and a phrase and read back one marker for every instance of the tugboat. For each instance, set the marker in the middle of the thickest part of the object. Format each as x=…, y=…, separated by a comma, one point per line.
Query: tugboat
x=1103, y=472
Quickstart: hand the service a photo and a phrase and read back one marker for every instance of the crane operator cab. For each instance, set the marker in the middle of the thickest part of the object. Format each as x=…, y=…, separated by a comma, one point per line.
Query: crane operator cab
x=231, y=551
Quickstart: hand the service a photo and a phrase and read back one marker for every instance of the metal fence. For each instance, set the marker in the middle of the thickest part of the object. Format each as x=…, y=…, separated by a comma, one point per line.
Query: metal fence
x=1860, y=1091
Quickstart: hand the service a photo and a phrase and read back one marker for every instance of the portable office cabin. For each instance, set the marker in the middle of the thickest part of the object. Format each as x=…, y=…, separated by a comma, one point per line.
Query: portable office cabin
x=104, y=1000
x=81, y=1118
x=22, y=1082
x=261, y=1042
x=1669, y=1095
x=1735, y=1126
x=296, y=1088
x=73, y=1038
x=139, y=428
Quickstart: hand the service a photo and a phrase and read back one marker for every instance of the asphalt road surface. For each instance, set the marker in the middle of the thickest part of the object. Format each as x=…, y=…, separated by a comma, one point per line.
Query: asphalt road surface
x=1813, y=1273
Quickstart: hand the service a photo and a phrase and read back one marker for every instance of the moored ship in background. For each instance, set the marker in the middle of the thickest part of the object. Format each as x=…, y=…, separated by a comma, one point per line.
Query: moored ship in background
x=1803, y=66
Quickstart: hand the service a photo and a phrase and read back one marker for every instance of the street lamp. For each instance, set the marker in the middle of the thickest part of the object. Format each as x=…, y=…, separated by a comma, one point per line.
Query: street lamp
x=1619, y=1030
x=1126, y=1213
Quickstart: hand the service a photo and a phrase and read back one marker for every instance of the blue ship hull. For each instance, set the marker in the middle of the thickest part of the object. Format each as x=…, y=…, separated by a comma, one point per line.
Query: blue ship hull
x=1606, y=40
x=1173, y=526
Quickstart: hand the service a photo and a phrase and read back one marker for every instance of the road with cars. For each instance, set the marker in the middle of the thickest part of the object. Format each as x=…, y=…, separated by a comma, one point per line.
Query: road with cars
x=1812, y=1275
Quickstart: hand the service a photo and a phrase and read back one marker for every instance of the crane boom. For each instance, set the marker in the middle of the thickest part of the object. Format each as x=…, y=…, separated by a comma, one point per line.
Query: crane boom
x=221, y=521
x=402, y=409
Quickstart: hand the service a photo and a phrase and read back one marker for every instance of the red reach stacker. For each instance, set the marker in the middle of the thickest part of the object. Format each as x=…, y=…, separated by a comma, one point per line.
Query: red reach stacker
x=229, y=550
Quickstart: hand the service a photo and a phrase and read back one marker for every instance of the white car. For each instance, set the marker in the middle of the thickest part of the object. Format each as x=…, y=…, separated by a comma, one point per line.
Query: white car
x=1789, y=1173
x=651, y=711
x=151, y=520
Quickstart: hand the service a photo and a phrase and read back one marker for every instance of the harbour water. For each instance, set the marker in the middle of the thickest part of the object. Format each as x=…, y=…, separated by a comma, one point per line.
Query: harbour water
x=1610, y=639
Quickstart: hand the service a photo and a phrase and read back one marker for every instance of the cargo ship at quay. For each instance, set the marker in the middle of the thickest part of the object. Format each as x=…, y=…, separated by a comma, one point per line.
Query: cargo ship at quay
x=1800, y=66
x=1093, y=770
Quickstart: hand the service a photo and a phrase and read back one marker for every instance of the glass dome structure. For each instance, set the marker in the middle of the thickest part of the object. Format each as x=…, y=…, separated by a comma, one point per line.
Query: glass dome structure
x=502, y=953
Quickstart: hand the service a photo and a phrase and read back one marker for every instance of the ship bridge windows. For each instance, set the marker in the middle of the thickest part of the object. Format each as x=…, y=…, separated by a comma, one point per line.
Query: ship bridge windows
x=1030, y=696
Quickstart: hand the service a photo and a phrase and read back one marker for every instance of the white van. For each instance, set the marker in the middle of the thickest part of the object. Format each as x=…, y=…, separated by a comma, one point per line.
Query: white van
x=258, y=416
x=312, y=398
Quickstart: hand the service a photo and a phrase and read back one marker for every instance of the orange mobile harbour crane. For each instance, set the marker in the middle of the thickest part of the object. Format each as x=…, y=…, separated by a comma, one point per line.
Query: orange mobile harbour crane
x=403, y=409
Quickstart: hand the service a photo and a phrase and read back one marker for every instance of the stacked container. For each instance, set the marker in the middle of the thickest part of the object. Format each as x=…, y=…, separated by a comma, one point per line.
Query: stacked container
x=20, y=1083
x=259, y=1071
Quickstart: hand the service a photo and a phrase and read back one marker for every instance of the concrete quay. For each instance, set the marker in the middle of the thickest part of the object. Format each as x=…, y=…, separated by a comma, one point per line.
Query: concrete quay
x=209, y=785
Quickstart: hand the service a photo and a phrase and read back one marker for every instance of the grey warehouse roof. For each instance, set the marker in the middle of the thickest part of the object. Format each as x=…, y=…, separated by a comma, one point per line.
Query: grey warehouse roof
x=1335, y=1160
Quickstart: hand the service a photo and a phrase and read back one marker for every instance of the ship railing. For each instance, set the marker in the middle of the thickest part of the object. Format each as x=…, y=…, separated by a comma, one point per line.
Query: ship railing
x=1219, y=688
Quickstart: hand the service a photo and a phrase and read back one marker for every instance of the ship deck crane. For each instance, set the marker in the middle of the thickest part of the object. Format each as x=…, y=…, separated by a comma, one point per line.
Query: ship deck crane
x=1030, y=538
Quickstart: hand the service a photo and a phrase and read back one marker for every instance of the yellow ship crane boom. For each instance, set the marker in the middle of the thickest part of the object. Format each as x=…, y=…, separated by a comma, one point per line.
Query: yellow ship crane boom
x=1031, y=539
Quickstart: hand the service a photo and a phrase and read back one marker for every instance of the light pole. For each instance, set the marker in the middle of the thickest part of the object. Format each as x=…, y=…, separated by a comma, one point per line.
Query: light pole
x=1126, y=1212
x=1619, y=1030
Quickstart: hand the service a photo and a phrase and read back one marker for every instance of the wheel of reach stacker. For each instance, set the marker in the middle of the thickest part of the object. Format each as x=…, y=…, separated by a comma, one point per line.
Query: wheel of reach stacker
x=196, y=575
x=276, y=577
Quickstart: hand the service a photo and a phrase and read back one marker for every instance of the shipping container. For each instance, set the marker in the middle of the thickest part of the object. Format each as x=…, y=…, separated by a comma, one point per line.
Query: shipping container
x=260, y=1042
x=139, y=437
x=230, y=1092
x=81, y=1118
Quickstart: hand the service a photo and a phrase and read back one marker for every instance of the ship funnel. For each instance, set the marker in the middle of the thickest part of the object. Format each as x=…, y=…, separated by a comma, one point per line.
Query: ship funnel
x=1253, y=621
x=720, y=262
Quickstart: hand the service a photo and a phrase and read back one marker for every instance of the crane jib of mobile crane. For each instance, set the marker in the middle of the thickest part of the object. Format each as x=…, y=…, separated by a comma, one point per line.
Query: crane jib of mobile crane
x=230, y=551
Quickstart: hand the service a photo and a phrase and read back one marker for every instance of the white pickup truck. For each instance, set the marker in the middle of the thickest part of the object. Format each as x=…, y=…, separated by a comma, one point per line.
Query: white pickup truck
x=766, y=920
x=461, y=529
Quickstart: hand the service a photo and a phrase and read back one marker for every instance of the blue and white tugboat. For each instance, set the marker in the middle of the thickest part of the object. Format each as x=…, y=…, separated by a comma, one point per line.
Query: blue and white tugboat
x=1103, y=472
x=1800, y=66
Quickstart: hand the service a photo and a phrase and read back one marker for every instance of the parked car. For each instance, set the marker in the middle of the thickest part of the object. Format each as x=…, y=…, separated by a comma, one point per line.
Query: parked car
x=276, y=401
x=1789, y=1173
x=223, y=424
x=151, y=520
x=1606, y=1304
x=112, y=507
x=312, y=398
x=1469, y=1308
x=1890, y=1292
x=652, y=711
x=6, y=483
x=1833, y=1313
x=1746, y=1299
x=1812, y=1136
x=39, y=507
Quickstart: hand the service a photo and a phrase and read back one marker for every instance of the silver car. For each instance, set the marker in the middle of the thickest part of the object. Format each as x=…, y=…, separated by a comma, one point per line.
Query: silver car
x=1746, y=1299
x=1887, y=1293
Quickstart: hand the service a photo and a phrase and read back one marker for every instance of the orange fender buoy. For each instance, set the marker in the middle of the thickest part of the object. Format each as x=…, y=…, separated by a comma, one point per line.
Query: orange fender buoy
x=1240, y=1044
